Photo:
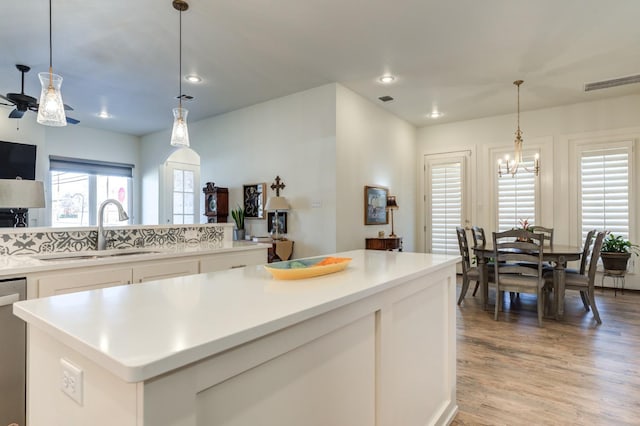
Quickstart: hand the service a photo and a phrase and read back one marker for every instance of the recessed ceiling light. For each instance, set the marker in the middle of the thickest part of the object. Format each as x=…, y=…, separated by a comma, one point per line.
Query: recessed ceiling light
x=387, y=79
x=435, y=114
x=104, y=114
x=193, y=78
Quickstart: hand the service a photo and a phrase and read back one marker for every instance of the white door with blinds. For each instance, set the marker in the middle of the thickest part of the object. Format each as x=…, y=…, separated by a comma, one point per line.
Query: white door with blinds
x=517, y=197
x=605, y=182
x=445, y=199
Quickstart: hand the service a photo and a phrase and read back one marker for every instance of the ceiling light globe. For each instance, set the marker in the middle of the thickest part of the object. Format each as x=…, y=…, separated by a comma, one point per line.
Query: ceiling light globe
x=51, y=108
x=180, y=132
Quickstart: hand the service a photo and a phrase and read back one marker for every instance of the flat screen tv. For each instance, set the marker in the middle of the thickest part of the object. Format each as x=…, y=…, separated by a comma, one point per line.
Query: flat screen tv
x=17, y=159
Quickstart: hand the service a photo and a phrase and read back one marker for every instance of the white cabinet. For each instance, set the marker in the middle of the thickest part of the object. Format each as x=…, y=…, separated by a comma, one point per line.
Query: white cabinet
x=69, y=281
x=82, y=278
x=164, y=269
x=236, y=259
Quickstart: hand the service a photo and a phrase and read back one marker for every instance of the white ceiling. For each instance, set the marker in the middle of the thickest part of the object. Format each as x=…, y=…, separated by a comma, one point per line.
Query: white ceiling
x=460, y=56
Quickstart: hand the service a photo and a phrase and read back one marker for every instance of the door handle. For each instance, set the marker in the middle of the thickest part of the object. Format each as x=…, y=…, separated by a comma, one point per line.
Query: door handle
x=9, y=299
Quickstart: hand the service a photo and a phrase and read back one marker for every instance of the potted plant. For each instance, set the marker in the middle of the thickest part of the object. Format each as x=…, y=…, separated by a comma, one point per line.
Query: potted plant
x=238, y=218
x=615, y=254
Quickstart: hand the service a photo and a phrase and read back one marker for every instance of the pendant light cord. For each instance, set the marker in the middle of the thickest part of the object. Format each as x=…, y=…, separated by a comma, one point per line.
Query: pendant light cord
x=50, y=46
x=179, y=67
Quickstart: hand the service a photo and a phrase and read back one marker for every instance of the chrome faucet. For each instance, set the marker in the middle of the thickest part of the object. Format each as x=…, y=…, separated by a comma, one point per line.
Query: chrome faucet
x=122, y=215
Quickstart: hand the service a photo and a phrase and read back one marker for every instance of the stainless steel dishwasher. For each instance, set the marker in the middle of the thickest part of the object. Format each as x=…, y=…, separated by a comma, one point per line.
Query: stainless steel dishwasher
x=12, y=353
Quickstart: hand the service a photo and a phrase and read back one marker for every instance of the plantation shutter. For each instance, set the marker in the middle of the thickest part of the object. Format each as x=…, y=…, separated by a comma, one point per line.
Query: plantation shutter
x=446, y=206
x=604, y=191
x=517, y=197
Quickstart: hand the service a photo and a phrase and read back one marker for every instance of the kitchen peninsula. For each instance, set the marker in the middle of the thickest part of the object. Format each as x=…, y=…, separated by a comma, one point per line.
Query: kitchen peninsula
x=374, y=344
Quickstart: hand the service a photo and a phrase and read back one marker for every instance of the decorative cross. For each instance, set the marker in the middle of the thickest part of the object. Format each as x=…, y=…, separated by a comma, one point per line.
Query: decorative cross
x=277, y=186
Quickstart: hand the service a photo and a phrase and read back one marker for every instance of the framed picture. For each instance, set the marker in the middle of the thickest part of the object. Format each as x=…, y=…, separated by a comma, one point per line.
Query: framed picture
x=254, y=200
x=375, y=205
x=282, y=218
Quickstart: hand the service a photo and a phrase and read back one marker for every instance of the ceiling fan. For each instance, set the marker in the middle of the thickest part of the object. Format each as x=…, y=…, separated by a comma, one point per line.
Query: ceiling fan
x=24, y=103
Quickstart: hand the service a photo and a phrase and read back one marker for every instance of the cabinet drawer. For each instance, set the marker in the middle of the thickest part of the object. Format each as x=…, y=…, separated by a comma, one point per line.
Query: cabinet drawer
x=165, y=269
x=89, y=279
x=219, y=262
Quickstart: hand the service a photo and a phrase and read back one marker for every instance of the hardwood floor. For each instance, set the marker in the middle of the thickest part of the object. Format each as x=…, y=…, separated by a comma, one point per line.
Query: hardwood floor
x=569, y=372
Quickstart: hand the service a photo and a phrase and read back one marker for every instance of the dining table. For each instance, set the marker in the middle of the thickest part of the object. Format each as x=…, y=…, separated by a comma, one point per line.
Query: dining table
x=558, y=255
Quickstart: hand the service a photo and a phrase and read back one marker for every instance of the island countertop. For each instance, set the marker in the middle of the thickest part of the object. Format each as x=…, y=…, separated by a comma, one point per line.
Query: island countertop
x=140, y=331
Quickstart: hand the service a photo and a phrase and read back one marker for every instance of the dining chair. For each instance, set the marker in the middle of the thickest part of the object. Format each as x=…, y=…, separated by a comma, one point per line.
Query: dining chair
x=585, y=282
x=511, y=249
x=585, y=254
x=469, y=273
x=546, y=232
x=479, y=239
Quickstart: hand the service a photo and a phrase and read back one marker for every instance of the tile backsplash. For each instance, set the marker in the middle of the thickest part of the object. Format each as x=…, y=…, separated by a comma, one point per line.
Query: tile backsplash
x=49, y=240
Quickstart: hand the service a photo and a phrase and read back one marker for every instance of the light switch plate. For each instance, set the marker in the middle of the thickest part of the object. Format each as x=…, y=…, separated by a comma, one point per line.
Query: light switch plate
x=71, y=380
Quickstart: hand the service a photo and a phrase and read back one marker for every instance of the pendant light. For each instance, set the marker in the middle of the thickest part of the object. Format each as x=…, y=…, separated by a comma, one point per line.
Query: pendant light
x=180, y=132
x=511, y=166
x=51, y=108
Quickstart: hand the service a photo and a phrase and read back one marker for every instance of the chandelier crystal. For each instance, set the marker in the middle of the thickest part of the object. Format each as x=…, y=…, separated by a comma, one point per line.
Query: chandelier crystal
x=510, y=167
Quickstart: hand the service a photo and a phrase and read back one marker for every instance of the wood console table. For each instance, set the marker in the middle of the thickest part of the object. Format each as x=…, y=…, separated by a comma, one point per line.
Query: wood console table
x=389, y=243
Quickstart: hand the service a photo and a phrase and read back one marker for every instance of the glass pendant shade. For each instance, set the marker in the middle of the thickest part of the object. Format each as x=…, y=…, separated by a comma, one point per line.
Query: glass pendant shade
x=51, y=108
x=180, y=132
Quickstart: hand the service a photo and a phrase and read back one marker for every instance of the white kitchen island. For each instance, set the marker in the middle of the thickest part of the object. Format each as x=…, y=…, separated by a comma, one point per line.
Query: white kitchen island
x=371, y=345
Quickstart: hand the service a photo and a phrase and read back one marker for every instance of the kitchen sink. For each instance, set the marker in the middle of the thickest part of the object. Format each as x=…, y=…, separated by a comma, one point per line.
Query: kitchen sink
x=95, y=255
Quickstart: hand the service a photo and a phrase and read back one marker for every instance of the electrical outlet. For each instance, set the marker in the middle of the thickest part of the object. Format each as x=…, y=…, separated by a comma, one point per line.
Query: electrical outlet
x=71, y=380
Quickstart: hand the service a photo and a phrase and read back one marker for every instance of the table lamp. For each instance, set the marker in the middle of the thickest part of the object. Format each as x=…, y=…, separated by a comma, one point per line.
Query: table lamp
x=277, y=204
x=19, y=195
x=392, y=205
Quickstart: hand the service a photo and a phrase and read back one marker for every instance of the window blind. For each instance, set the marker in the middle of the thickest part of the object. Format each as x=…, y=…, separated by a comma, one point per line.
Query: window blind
x=517, y=198
x=90, y=167
x=604, y=190
x=446, y=207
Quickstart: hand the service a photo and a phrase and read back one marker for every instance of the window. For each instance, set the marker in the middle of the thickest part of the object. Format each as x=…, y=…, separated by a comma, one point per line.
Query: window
x=183, y=196
x=517, y=195
x=445, y=185
x=78, y=187
x=604, y=190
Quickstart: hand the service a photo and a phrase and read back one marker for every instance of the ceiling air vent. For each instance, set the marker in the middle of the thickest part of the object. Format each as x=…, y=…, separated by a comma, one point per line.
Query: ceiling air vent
x=385, y=98
x=614, y=82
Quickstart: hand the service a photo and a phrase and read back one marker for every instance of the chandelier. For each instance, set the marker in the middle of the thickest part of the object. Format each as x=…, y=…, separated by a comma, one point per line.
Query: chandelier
x=511, y=166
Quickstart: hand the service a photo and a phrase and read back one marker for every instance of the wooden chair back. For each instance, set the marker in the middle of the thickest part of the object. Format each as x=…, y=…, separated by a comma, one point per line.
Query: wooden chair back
x=595, y=255
x=546, y=232
x=518, y=252
x=479, y=238
x=464, y=249
x=585, y=251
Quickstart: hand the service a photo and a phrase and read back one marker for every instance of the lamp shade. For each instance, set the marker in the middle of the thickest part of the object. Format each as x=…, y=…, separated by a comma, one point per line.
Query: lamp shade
x=19, y=193
x=391, y=203
x=180, y=132
x=277, y=203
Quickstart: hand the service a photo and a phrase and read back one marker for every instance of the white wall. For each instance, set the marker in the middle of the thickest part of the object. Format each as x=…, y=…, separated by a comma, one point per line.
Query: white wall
x=326, y=144
x=70, y=141
x=549, y=129
x=374, y=148
x=292, y=136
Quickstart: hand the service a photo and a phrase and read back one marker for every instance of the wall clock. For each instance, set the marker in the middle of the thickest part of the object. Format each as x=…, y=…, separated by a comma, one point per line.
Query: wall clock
x=216, y=203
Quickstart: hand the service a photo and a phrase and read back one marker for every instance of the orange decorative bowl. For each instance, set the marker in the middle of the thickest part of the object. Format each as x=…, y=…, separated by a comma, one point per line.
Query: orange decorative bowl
x=307, y=268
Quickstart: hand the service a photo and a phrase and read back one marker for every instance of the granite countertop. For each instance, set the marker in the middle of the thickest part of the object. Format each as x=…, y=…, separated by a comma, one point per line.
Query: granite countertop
x=205, y=314
x=22, y=264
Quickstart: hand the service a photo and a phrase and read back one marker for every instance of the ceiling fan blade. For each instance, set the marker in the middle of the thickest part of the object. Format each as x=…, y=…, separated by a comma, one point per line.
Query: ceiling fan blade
x=72, y=120
x=6, y=99
x=67, y=108
x=2, y=103
x=16, y=114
